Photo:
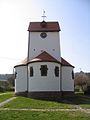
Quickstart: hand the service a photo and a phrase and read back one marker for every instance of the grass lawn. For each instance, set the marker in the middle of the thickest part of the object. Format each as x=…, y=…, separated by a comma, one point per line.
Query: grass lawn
x=85, y=103
x=66, y=102
x=30, y=115
x=81, y=100
x=7, y=92
x=6, y=96
x=23, y=102
x=2, y=92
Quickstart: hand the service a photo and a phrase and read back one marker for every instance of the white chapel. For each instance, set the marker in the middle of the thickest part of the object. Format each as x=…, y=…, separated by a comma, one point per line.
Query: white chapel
x=44, y=73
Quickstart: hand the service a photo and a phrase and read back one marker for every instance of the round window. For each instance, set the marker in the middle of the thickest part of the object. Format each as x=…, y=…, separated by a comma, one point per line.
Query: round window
x=43, y=35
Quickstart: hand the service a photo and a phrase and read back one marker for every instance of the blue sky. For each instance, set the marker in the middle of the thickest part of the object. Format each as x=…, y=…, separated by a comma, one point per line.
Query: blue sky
x=72, y=15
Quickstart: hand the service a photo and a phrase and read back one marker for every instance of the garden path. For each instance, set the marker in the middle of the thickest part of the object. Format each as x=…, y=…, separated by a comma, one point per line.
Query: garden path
x=6, y=101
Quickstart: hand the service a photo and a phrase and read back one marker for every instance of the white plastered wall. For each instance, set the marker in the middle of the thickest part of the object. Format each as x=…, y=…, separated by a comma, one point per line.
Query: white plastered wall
x=50, y=44
x=44, y=83
x=67, y=81
x=21, y=79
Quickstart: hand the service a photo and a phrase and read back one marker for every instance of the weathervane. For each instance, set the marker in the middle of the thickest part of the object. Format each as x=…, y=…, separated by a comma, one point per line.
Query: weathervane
x=43, y=15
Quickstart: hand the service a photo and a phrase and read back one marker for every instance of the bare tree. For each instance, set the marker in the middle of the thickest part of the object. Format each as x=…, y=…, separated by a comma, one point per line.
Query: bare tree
x=81, y=80
x=11, y=80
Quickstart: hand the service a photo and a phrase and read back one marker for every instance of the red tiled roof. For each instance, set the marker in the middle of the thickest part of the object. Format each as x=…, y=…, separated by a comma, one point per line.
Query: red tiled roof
x=43, y=26
x=65, y=63
x=44, y=56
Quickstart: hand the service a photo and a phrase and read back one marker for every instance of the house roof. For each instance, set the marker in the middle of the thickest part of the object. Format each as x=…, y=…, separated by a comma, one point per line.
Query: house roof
x=44, y=27
x=44, y=57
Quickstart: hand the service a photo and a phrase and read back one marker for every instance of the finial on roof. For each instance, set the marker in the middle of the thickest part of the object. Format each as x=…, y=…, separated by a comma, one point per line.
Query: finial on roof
x=43, y=16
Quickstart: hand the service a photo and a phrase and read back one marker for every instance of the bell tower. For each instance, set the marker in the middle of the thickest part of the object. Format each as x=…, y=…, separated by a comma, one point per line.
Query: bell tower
x=44, y=36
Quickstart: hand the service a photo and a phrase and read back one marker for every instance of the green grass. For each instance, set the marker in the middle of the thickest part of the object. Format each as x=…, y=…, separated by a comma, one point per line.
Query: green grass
x=79, y=99
x=6, y=96
x=22, y=102
x=30, y=115
x=66, y=102
x=2, y=92
x=86, y=106
x=6, y=92
x=85, y=103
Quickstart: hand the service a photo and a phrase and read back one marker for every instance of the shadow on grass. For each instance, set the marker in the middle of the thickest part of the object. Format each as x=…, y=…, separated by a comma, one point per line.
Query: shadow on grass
x=74, y=100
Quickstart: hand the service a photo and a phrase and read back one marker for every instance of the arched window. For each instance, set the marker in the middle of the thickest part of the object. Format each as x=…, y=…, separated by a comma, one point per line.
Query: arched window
x=43, y=70
x=56, y=71
x=31, y=71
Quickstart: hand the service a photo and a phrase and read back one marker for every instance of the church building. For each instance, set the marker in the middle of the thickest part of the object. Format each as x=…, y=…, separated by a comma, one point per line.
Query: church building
x=44, y=74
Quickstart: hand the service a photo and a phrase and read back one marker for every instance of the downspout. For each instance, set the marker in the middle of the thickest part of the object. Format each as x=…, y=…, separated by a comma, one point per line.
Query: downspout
x=61, y=81
x=27, y=80
x=60, y=72
x=27, y=64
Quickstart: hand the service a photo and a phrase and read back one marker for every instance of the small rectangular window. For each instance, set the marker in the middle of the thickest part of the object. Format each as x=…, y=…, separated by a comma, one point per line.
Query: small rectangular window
x=57, y=71
x=31, y=71
x=15, y=74
x=43, y=70
x=72, y=75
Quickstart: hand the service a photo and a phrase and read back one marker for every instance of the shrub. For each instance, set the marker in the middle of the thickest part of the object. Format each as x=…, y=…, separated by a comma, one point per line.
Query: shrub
x=87, y=92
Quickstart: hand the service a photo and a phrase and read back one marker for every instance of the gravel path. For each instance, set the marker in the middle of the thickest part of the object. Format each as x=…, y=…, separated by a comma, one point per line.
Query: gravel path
x=26, y=109
x=44, y=110
x=6, y=101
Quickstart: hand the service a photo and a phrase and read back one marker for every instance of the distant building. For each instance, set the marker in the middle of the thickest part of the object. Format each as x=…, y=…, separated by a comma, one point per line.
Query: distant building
x=44, y=73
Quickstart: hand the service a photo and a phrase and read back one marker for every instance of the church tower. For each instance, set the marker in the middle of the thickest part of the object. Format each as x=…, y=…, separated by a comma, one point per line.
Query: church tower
x=44, y=36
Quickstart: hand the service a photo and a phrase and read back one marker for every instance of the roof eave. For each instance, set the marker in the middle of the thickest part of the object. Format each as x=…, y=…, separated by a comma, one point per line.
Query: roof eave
x=43, y=30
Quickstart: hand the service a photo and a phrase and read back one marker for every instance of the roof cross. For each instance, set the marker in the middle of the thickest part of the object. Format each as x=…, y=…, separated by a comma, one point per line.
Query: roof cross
x=43, y=16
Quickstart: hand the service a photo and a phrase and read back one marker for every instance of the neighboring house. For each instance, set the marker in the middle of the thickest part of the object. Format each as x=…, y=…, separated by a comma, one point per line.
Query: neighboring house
x=7, y=81
x=44, y=73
